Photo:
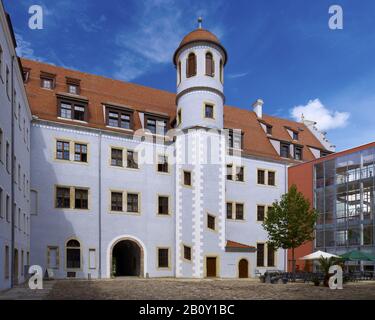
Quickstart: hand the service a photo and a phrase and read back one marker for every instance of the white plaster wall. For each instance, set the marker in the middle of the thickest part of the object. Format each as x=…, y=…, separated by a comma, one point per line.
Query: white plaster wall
x=21, y=152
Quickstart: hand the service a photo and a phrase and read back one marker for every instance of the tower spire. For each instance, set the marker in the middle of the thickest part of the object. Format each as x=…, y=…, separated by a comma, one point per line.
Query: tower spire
x=200, y=20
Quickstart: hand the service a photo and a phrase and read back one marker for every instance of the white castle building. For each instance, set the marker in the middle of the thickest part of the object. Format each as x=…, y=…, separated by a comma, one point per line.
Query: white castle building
x=132, y=181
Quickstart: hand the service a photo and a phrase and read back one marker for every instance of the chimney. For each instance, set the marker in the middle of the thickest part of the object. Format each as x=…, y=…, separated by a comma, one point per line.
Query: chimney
x=258, y=106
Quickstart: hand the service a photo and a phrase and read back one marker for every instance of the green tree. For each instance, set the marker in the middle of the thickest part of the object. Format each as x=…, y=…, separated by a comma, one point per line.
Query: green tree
x=290, y=222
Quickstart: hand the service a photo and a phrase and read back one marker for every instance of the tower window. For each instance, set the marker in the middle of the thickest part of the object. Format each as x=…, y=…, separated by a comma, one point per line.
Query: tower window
x=187, y=253
x=221, y=71
x=210, y=66
x=211, y=222
x=187, y=178
x=179, y=117
x=179, y=72
x=209, y=111
x=191, y=67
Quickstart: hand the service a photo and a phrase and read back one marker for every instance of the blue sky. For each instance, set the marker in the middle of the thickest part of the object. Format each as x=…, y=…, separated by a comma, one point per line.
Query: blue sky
x=280, y=51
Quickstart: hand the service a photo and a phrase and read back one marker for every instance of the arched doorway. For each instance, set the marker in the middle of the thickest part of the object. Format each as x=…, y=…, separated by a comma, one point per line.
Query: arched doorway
x=127, y=259
x=243, y=268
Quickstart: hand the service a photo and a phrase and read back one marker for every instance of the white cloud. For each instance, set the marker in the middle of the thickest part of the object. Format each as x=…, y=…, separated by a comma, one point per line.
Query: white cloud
x=158, y=29
x=326, y=119
x=24, y=49
x=237, y=75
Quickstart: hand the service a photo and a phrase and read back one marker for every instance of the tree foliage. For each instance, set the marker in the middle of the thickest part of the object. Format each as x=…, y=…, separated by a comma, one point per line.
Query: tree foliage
x=290, y=222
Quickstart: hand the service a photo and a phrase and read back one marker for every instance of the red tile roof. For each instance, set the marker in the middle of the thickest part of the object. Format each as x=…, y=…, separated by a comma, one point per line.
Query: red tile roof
x=101, y=90
x=233, y=244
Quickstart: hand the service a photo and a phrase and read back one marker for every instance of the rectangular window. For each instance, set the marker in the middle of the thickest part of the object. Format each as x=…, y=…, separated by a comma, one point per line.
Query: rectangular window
x=81, y=198
x=239, y=211
x=119, y=118
x=53, y=257
x=260, y=213
x=62, y=197
x=295, y=135
x=179, y=116
x=235, y=139
x=132, y=202
x=270, y=256
x=271, y=178
x=229, y=210
x=72, y=89
x=260, y=254
x=116, y=157
x=7, y=82
x=163, y=258
x=269, y=129
x=211, y=222
x=62, y=150
x=65, y=110
x=187, y=178
x=6, y=262
x=209, y=111
x=80, y=152
x=46, y=83
x=284, y=150
x=156, y=125
x=73, y=110
x=261, y=177
x=163, y=164
x=229, y=172
x=7, y=208
x=240, y=174
x=131, y=159
x=22, y=263
x=187, y=253
x=116, y=201
x=163, y=205
x=297, y=153
x=7, y=156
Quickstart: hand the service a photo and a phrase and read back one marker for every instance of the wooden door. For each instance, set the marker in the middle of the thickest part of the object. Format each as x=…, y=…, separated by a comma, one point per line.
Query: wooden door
x=211, y=266
x=243, y=269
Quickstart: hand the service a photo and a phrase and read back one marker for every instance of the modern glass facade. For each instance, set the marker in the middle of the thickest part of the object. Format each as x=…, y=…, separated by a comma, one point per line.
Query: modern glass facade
x=344, y=196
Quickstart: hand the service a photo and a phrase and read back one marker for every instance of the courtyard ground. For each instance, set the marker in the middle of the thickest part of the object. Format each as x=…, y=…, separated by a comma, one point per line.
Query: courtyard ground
x=167, y=289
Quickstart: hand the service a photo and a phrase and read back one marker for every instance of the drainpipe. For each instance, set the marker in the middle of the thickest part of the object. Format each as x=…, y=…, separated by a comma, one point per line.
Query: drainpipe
x=100, y=205
x=12, y=246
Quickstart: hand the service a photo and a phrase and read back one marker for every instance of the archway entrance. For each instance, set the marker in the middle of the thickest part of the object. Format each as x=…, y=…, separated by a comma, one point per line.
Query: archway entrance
x=127, y=259
x=243, y=268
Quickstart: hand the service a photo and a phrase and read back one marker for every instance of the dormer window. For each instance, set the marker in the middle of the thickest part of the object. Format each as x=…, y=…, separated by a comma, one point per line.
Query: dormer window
x=47, y=80
x=73, y=110
x=119, y=118
x=235, y=139
x=26, y=74
x=73, y=85
x=210, y=66
x=156, y=125
x=269, y=129
x=191, y=65
x=284, y=150
x=297, y=153
x=295, y=135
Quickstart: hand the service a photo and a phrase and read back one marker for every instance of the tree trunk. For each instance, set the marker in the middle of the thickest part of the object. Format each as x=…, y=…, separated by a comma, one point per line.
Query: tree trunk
x=293, y=266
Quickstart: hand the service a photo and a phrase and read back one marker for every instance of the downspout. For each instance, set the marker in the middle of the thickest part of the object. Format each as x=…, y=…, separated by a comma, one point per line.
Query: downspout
x=100, y=205
x=12, y=246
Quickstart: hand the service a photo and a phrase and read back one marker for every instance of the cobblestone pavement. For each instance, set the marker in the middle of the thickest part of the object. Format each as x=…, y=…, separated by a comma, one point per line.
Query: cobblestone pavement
x=154, y=289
